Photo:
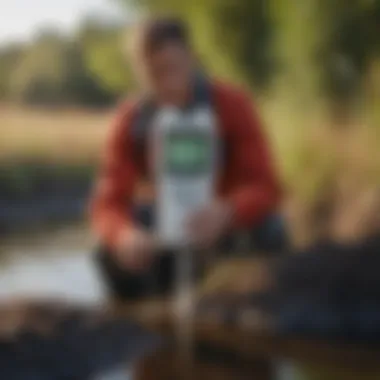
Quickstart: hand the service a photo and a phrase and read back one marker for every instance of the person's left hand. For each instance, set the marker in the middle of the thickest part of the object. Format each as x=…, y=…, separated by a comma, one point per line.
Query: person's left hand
x=208, y=225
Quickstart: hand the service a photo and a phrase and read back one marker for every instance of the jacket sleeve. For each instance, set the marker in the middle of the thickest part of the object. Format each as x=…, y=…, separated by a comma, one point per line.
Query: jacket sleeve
x=258, y=192
x=110, y=205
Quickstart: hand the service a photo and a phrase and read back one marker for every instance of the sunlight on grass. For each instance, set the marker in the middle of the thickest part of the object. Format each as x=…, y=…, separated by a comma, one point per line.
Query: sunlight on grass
x=314, y=156
x=61, y=136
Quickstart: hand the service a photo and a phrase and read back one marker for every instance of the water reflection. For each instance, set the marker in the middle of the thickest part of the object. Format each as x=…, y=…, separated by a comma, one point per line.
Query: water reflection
x=56, y=266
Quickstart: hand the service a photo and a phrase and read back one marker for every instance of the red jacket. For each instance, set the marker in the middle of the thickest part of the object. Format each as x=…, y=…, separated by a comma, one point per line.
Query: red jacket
x=248, y=180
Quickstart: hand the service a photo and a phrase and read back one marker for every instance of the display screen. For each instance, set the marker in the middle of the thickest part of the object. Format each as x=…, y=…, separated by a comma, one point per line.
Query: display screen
x=188, y=153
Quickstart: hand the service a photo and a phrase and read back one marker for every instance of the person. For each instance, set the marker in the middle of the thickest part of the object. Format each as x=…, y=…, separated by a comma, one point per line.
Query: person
x=248, y=193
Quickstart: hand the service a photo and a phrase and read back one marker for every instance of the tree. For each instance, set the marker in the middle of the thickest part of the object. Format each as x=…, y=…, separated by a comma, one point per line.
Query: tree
x=52, y=71
x=233, y=38
x=320, y=45
x=354, y=29
x=102, y=47
x=9, y=57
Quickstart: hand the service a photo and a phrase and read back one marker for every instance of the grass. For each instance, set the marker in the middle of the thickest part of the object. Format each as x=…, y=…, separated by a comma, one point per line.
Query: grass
x=42, y=146
x=316, y=156
x=61, y=136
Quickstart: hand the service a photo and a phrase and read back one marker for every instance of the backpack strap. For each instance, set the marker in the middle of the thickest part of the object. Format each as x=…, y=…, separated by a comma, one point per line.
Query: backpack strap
x=140, y=129
x=202, y=92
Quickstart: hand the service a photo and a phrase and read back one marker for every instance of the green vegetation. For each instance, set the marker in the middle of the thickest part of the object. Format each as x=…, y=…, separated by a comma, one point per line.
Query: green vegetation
x=311, y=47
x=313, y=66
x=57, y=70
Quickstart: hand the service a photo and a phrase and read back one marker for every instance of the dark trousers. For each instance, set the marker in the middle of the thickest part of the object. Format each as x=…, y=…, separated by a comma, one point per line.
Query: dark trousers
x=269, y=237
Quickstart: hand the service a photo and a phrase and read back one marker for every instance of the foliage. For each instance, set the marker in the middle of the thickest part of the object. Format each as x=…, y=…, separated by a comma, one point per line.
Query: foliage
x=103, y=56
x=314, y=46
x=58, y=70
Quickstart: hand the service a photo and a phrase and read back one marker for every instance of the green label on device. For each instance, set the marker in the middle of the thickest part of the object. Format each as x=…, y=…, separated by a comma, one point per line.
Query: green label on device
x=188, y=153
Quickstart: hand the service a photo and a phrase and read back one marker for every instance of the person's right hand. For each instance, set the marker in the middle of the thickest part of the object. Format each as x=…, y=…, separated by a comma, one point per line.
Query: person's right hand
x=135, y=250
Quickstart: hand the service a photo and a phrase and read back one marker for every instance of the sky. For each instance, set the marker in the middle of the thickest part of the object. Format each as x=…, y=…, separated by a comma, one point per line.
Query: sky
x=21, y=19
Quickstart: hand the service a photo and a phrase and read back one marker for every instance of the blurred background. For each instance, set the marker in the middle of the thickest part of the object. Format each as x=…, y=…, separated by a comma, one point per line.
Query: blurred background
x=313, y=68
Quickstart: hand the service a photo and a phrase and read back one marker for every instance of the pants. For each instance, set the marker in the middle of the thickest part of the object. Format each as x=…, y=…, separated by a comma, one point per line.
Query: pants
x=268, y=237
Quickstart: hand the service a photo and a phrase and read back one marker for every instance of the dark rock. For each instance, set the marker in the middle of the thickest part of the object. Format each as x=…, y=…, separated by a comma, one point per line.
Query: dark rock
x=75, y=348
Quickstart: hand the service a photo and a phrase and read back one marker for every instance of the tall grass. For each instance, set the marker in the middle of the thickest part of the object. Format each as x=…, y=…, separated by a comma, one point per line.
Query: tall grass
x=61, y=136
x=323, y=161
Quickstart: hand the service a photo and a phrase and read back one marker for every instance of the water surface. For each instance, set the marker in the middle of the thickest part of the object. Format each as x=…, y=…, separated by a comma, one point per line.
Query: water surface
x=51, y=265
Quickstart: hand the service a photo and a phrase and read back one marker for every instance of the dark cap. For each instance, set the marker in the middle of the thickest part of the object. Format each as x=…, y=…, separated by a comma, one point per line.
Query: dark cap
x=154, y=33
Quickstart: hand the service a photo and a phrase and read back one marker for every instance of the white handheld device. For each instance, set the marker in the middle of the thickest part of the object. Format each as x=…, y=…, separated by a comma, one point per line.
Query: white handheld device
x=186, y=157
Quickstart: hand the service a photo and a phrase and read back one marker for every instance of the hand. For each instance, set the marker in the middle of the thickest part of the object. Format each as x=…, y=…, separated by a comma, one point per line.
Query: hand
x=208, y=225
x=135, y=250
